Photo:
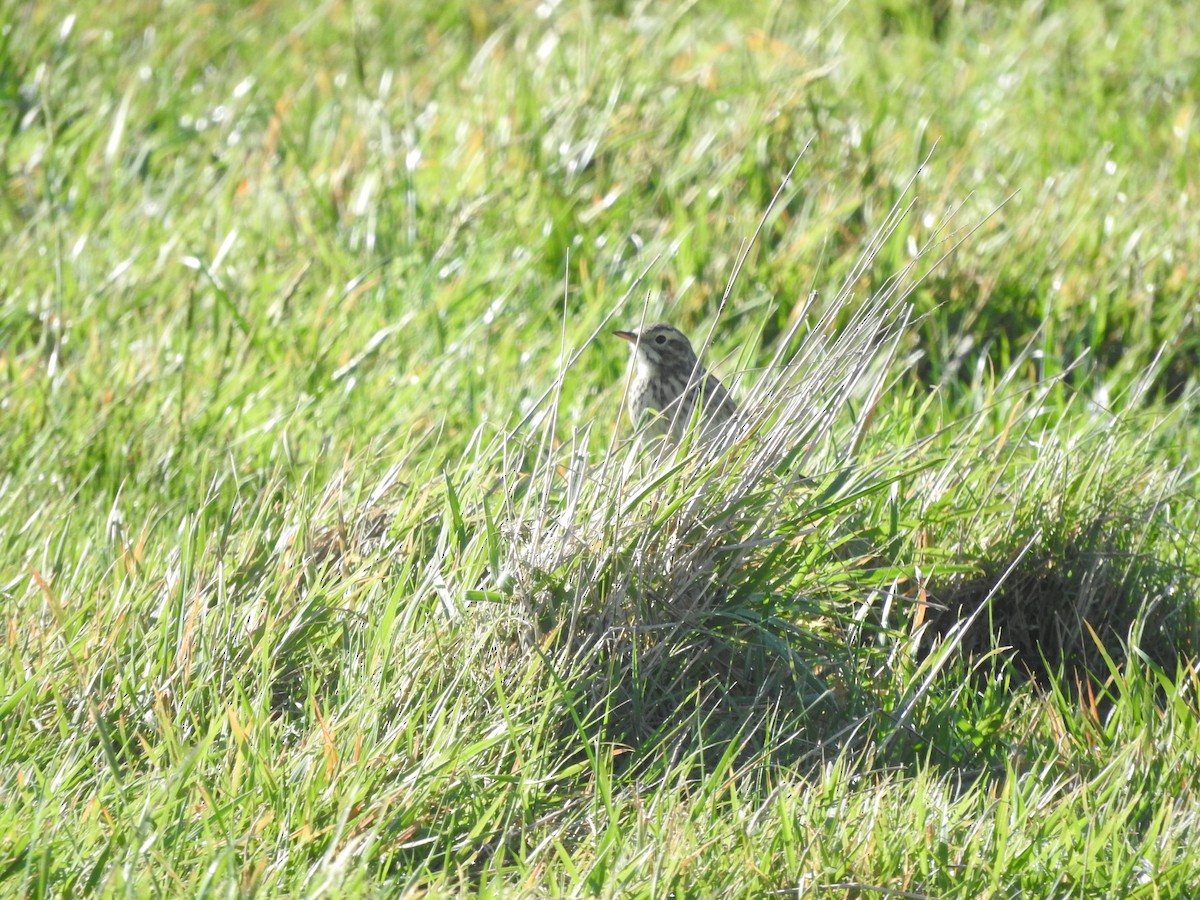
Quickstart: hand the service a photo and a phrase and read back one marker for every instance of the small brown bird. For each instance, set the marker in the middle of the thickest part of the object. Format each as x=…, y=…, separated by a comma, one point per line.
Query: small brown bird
x=667, y=381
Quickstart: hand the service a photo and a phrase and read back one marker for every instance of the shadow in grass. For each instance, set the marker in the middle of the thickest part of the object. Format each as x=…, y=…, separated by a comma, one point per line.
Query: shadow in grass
x=717, y=699
x=1057, y=624
x=730, y=677
x=1069, y=603
x=712, y=708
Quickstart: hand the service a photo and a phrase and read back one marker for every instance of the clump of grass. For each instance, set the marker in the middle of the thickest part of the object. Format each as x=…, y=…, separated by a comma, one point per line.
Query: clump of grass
x=699, y=583
x=1049, y=553
x=1067, y=602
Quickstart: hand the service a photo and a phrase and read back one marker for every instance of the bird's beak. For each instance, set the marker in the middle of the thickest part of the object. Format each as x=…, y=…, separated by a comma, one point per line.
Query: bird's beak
x=630, y=336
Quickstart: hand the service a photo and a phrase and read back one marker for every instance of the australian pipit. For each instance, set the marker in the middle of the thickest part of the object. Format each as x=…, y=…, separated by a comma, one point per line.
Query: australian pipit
x=667, y=381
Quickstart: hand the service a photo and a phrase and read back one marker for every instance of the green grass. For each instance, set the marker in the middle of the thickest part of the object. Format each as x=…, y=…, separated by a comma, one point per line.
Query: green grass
x=326, y=567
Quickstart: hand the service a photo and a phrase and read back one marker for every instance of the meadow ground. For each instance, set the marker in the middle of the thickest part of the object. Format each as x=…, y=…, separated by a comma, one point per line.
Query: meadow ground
x=327, y=566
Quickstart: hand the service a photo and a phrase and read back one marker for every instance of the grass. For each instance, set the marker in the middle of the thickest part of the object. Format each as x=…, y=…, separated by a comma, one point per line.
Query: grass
x=328, y=568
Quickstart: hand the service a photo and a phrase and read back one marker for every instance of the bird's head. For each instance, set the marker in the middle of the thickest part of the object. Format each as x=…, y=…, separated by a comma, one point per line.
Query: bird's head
x=661, y=346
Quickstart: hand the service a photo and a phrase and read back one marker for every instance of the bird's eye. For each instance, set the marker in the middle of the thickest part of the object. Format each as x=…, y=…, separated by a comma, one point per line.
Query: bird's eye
x=661, y=339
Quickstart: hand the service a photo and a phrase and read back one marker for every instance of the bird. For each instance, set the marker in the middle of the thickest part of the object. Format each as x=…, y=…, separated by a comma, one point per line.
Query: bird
x=668, y=379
